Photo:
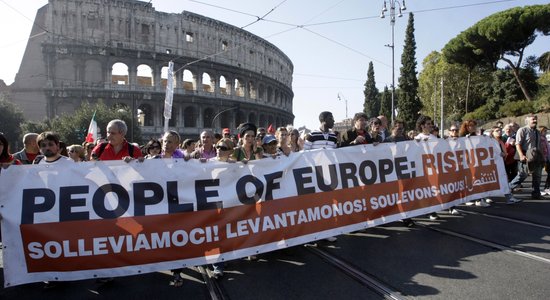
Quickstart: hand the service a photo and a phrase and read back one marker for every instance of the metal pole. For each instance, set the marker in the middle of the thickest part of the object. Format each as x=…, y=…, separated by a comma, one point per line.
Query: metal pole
x=401, y=6
x=392, y=63
x=441, y=113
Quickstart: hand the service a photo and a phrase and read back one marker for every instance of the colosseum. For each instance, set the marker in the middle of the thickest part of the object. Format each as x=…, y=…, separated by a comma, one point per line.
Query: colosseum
x=117, y=52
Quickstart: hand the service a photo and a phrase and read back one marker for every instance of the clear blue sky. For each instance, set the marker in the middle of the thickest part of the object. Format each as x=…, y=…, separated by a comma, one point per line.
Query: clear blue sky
x=329, y=58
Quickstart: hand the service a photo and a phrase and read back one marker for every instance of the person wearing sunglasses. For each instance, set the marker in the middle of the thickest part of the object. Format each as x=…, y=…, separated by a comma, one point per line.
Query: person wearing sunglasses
x=152, y=149
x=453, y=132
x=224, y=149
x=76, y=153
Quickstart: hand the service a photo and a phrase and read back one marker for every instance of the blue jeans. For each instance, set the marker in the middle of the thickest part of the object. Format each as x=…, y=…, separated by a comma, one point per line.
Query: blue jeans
x=523, y=172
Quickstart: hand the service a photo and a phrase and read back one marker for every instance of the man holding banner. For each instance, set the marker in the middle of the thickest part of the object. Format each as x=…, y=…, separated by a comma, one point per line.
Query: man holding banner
x=117, y=147
x=324, y=138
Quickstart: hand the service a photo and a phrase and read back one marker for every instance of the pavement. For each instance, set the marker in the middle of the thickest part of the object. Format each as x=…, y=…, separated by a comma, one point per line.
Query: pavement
x=497, y=252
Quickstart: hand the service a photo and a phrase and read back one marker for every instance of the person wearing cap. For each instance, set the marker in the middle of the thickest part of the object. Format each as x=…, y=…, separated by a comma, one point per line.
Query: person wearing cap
x=269, y=144
x=226, y=133
x=248, y=148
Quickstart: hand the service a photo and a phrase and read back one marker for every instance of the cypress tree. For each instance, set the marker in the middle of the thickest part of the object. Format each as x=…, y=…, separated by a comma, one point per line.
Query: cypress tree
x=385, y=103
x=408, y=102
x=371, y=106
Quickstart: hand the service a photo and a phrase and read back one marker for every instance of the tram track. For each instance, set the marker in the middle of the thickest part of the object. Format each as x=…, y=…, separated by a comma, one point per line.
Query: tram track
x=484, y=242
x=214, y=287
x=367, y=280
x=504, y=218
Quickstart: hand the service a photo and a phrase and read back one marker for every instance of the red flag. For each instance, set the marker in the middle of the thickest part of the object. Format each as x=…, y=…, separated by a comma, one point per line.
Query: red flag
x=270, y=129
x=92, y=131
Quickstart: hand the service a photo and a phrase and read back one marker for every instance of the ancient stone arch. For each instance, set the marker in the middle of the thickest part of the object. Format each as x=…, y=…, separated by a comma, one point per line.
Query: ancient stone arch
x=118, y=54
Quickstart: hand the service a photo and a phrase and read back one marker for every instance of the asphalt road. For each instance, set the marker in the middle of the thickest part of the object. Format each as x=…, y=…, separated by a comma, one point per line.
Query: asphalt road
x=498, y=252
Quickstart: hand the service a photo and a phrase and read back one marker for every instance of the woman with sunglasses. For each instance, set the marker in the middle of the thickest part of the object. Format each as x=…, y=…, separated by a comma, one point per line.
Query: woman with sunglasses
x=152, y=149
x=76, y=153
x=224, y=149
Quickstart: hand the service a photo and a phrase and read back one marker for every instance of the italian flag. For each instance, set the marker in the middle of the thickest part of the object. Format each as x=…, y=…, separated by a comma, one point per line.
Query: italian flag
x=92, y=131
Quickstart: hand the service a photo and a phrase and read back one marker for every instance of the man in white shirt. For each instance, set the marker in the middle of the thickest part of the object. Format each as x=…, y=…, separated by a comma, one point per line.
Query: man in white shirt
x=48, y=142
x=424, y=125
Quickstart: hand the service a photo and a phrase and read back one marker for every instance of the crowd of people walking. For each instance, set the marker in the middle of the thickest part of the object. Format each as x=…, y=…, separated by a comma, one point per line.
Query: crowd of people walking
x=525, y=150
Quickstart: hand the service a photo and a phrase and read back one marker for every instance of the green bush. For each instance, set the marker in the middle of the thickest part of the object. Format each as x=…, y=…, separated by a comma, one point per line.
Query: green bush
x=482, y=113
x=542, y=102
x=516, y=108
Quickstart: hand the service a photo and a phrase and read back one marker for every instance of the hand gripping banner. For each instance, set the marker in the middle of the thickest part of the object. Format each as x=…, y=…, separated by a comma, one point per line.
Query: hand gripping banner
x=108, y=219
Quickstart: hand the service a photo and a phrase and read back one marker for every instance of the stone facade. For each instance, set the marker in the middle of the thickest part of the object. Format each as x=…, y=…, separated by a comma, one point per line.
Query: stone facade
x=117, y=52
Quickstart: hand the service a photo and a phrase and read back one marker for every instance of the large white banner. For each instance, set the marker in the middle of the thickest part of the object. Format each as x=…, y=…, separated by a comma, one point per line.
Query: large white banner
x=108, y=219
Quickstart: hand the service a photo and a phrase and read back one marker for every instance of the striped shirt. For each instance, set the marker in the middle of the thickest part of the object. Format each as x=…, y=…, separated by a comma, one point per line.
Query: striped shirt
x=319, y=140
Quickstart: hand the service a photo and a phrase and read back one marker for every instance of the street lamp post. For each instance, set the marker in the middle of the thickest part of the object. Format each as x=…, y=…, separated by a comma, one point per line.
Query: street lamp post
x=401, y=6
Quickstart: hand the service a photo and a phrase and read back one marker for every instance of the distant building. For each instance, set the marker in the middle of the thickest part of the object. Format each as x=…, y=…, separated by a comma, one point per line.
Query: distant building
x=117, y=52
x=343, y=125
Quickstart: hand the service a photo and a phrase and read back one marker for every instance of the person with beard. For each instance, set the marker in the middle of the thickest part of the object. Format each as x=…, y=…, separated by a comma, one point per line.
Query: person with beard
x=528, y=139
x=48, y=142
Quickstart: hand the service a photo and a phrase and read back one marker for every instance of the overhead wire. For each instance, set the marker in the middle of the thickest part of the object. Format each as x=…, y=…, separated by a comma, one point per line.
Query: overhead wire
x=415, y=11
x=20, y=13
x=293, y=27
x=265, y=15
x=345, y=46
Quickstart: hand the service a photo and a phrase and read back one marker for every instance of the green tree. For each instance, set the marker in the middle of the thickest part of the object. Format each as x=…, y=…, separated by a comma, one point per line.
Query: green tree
x=371, y=106
x=73, y=128
x=457, y=96
x=501, y=36
x=544, y=62
x=385, y=103
x=10, y=118
x=408, y=103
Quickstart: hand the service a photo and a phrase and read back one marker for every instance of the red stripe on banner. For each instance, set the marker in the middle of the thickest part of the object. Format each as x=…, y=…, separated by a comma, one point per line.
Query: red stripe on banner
x=97, y=244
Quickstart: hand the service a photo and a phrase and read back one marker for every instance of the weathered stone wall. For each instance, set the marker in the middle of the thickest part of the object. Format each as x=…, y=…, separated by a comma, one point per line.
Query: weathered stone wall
x=93, y=51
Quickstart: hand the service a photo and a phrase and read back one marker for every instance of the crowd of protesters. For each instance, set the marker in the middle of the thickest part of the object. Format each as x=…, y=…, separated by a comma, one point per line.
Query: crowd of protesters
x=524, y=150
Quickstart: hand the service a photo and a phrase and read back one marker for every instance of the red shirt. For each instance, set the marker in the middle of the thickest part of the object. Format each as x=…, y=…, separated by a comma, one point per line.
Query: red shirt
x=109, y=152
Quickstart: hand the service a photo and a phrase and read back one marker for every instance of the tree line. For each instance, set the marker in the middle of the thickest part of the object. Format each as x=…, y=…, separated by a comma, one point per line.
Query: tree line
x=467, y=75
